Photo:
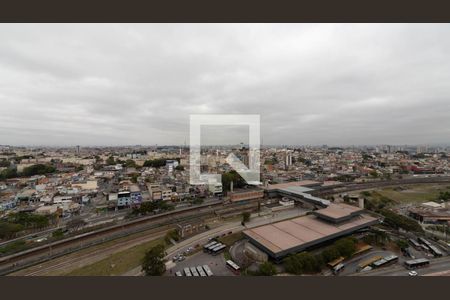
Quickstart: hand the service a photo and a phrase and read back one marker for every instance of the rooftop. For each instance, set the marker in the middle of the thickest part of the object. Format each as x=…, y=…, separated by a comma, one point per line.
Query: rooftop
x=338, y=212
x=297, y=234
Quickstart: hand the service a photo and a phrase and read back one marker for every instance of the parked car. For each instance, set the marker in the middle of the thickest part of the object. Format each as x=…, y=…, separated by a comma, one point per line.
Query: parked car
x=412, y=273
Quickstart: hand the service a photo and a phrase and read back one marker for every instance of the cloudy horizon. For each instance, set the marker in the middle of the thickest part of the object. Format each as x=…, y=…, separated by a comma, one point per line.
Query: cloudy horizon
x=312, y=84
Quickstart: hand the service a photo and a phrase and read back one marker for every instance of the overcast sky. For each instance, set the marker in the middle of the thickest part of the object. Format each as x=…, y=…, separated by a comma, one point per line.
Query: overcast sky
x=120, y=84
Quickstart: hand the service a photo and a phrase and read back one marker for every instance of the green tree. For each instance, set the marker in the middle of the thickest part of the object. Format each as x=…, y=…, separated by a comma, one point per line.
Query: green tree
x=155, y=163
x=402, y=244
x=346, y=247
x=302, y=263
x=232, y=176
x=57, y=234
x=29, y=220
x=8, y=230
x=134, y=178
x=245, y=217
x=153, y=263
x=267, y=269
x=8, y=173
x=330, y=254
x=129, y=163
x=171, y=235
x=110, y=161
x=38, y=169
x=4, y=163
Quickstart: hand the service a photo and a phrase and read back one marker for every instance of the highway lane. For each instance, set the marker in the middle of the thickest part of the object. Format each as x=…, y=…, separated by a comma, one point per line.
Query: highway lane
x=436, y=265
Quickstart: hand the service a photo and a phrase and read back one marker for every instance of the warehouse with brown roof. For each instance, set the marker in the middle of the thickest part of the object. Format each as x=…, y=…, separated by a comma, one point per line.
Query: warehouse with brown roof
x=295, y=235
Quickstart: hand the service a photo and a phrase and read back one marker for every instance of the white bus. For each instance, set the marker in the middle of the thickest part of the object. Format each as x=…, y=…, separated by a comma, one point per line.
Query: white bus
x=207, y=270
x=339, y=267
x=212, y=247
x=194, y=272
x=233, y=266
x=201, y=272
x=206, y=247
x=218, y=249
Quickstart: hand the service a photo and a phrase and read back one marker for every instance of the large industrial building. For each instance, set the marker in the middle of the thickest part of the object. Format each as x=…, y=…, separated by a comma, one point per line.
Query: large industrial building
x=295, y=235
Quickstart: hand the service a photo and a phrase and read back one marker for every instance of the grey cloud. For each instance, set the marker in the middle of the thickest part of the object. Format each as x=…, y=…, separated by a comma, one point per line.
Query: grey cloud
x=117, y=84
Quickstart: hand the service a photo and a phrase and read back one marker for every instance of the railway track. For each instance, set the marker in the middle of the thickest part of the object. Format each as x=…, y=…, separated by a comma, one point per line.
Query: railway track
x=33, y=256
x=57, y=249
x=67, y=263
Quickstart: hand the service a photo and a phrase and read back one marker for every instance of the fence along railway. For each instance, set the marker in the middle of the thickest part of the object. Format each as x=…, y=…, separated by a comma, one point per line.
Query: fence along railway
x=30, y=257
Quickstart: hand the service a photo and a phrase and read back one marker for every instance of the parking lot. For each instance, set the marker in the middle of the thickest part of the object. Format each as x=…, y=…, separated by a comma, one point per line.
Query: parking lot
x=215, y=263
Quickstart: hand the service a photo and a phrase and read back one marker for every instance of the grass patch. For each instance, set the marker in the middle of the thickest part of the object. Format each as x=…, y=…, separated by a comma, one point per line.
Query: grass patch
x=414, y=194
x=117, y=263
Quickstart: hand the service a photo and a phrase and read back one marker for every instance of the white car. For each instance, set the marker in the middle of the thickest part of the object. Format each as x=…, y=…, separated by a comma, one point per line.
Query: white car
x=412, y=273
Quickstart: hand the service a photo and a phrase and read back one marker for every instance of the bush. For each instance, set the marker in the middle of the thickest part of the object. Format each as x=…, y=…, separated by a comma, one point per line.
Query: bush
x=346, y=247
x=29, y=220
x=398, y=221
x=267, y=269
x=302, y=263
x=245, y=217
x=173, y=234
x=57, y=234
x=13, y=247
x=8, y=173
x=402, y=244
x=8, y=230
x=39, y=169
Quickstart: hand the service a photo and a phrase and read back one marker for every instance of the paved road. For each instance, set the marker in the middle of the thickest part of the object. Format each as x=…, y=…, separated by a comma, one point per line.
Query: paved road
x=234, y=226
x=351, y=266
x=436, y=266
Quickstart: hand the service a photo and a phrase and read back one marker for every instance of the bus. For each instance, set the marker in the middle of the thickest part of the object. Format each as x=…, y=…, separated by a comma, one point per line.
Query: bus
x=233, y=266
x=435, y=251
x=335, y=262
x=362, y=249
x=417, y=263
x=415, y=244
x=178, y=273
x=200, y=271
x=424, y=241
x=205, y=248
x=338, y=268
x=210, y=248
x=207, y=270
x=385, y=261
x=194, y=272
x=368, y=262
x=187, y=272
x=218, y=249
